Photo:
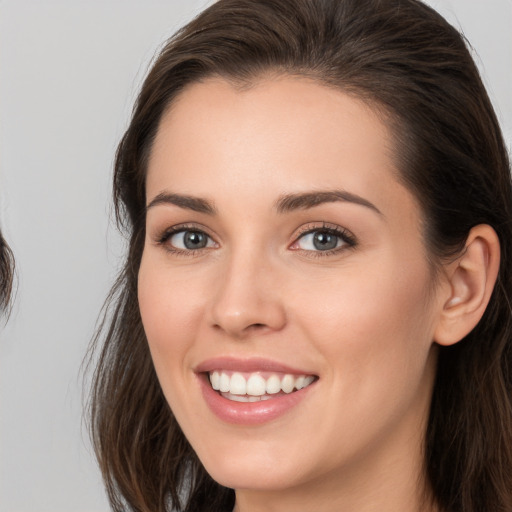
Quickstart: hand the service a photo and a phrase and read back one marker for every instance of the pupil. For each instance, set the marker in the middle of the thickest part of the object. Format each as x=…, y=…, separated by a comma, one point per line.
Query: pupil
x=194, y=240
x=325, y=241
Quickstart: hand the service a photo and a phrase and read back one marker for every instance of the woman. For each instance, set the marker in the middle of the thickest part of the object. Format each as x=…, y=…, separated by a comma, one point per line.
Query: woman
x=313, y=314
x=6, y=273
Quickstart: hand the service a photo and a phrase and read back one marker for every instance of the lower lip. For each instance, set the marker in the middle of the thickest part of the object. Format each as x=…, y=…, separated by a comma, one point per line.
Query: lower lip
x=250, y=413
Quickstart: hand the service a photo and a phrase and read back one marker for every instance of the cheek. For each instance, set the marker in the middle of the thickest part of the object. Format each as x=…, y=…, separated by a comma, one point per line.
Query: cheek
x=170, y=309
x=374, y=333
x=372, y=322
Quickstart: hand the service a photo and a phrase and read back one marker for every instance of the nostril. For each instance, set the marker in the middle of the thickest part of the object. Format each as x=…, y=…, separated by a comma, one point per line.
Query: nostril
x=258, y=327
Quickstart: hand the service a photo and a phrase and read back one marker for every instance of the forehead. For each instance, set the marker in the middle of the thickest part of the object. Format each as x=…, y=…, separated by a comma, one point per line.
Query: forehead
x=289, y=132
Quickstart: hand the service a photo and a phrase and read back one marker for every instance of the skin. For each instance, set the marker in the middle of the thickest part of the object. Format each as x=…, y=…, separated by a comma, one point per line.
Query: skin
x=362, y=318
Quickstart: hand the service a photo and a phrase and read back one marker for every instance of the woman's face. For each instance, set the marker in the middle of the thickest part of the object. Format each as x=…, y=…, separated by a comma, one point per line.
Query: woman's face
x=282, y=252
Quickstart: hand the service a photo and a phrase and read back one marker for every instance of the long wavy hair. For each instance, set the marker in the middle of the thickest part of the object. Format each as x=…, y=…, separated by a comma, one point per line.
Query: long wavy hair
x=406, y=61
x=6, y=274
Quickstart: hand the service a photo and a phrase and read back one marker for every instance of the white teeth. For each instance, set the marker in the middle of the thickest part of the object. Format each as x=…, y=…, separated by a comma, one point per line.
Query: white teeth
x=239, y=398
x=238, y=384
x=273, y=385
x=308, y=380
x=224, y=382
x=245, y=398
x=215, y=380
x=255, y=387
x=288, y=383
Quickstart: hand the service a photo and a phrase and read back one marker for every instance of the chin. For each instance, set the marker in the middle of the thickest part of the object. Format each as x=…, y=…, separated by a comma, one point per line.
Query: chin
x=256, y=480
x=253, y=473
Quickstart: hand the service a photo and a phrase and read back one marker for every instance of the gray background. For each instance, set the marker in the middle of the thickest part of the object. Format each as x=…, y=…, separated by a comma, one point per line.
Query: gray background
x=69, y=72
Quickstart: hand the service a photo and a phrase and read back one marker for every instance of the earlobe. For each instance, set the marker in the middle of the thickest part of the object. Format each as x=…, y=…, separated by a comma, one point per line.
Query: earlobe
x=471, y=280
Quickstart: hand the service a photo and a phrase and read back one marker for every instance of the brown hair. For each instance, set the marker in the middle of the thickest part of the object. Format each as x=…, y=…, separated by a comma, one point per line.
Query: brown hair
x=407, y=61
x=6, y=274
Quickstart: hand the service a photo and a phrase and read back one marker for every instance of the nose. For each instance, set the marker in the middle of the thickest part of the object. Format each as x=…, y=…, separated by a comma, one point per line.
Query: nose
x=248, y=298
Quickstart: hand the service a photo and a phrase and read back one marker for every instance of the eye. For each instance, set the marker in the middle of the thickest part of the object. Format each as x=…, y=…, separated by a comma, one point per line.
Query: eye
x=182, y=239
x=324, y=240
x=189, y=240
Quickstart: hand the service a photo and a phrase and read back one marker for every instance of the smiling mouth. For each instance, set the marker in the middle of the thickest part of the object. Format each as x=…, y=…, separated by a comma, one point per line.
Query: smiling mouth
x=256, y=386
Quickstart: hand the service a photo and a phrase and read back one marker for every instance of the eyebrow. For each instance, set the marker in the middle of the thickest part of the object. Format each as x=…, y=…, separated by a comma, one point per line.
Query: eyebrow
x=305, y=200
x=196, y=204
x=284, y=204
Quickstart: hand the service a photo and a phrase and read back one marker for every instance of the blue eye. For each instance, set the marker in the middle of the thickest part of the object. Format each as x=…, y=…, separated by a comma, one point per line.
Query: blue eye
x=324, y=240
x=188, y=240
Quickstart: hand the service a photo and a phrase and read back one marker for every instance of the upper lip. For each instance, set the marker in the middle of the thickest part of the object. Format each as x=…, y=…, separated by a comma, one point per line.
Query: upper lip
x=253, y=364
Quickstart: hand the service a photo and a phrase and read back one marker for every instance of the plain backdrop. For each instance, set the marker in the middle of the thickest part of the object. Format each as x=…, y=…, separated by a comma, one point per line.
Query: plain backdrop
x=69, y=72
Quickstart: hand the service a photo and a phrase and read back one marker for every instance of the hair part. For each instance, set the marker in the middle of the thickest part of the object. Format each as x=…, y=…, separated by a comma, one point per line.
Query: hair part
x=404, y=59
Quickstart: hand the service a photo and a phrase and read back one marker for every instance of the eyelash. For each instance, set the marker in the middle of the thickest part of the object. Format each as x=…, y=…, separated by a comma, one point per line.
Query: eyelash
x=348, y=239
x=164, y=238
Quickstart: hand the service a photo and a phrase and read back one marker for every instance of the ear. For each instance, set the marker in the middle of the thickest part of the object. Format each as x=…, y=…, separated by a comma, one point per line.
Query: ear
x=471, y=280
